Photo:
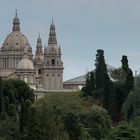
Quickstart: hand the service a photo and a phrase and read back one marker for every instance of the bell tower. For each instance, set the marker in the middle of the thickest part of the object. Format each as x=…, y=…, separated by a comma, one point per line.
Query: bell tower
x=53, y=65
x=38, y=60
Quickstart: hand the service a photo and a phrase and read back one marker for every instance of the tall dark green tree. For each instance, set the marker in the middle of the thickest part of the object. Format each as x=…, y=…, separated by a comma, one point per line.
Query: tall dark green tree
x=123, y=85
x=129, y=79
x=102, y=80
x=90, y=84
x=101, y=74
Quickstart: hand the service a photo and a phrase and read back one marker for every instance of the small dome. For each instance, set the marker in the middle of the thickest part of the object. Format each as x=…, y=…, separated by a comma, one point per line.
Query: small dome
x=25, y=64
x=16, y=41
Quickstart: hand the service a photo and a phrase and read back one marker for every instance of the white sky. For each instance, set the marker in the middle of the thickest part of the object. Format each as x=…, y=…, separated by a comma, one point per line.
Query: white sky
x=82, y=27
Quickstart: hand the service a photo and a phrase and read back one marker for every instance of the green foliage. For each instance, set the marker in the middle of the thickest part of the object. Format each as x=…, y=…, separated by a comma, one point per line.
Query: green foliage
x=125, y=65
x=136, y=124
x=14, y=91
x=34, y=127
x=101, y=70
x=131, y=107
x=97, y=121
x=72, y=114
x=123, y=132
x=2, y=106
x=72, y=126
x=124, y=83
x=17, y=97
x=90, y=84
x=24, y=116
x=9, y=129
x=12, y=113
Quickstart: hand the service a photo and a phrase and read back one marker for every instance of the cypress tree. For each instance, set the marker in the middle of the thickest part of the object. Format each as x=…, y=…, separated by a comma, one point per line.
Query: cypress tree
x=90, y=84
x=101, y=69
x=122, y=89
x=129, y=79
x=102, y=79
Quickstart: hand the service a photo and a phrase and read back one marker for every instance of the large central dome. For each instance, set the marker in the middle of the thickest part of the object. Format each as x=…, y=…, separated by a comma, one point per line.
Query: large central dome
x=16, y=41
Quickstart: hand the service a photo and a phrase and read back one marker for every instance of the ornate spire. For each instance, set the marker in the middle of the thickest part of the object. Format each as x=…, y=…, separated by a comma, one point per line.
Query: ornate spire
x=16, y=23
x=59, y=50
x=39, y=49
x=45, y=49
x=52, y=34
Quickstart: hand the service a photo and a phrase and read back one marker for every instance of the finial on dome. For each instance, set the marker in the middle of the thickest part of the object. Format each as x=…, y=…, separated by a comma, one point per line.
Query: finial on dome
x=16, y=13
x=16, y=22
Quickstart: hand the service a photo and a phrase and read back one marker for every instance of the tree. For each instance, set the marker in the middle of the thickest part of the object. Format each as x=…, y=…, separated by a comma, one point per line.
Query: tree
x=103, y=82
x=136, y=124
x=9, y=129
x=129, y=79
x=72, y=126
x=97, y=121
x=131, y=106
x=124, y=83
x=90, y=84
x=12, y=113
x=24, y=116
x=34, y=126
x=2, y=107
x=123, y=132
x=101, y=75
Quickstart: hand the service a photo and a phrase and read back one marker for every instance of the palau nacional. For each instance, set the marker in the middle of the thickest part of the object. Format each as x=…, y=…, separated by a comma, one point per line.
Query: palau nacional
x=42, y=71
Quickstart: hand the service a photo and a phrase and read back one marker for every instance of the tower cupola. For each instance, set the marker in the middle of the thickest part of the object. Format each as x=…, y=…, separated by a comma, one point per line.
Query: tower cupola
x=39, y=49
x=52, y=35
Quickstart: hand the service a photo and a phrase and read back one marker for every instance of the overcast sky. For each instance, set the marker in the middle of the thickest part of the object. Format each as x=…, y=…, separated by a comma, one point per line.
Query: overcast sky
x=82, y=27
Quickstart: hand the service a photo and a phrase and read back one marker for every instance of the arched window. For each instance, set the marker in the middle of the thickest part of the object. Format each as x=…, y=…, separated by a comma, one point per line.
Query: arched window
x=53, y=62
x=26, y=79
x=39, y=71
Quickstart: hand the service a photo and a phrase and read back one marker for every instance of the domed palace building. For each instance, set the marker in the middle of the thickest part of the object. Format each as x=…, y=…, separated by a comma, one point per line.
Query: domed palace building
x=43, y=72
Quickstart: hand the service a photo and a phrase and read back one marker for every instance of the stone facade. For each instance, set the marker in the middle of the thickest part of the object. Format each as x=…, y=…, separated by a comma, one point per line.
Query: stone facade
x=53, y=65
